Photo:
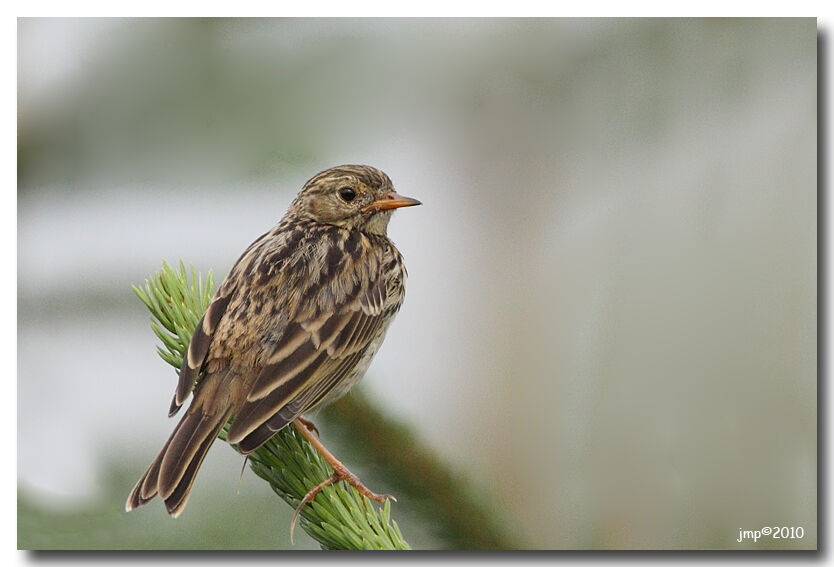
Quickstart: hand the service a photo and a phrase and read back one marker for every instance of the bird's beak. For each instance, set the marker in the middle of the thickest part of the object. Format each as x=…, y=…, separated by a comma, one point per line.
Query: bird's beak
x=391, y=201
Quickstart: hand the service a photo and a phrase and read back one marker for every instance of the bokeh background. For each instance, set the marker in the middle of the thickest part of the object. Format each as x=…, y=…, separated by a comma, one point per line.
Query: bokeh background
x=610, y=326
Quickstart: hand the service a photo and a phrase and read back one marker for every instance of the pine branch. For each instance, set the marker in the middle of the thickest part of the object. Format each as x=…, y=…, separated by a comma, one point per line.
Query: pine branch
x=338, y=518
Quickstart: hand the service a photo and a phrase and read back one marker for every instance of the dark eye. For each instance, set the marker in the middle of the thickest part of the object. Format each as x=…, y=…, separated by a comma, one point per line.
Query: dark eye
x=347, y=194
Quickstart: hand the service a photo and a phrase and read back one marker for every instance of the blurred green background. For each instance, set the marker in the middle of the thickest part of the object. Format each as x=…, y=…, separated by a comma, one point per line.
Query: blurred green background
x=610, y=326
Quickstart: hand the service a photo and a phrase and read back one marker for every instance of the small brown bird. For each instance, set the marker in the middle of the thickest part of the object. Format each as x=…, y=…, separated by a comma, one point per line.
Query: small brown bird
x=293, y=326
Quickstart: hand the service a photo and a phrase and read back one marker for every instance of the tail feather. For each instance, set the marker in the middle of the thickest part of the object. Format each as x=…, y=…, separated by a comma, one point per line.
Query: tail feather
x=175, y=501
x=185, y=443
x=172, y=472
x=146, y=487
x=149, y=485
x=136, y=498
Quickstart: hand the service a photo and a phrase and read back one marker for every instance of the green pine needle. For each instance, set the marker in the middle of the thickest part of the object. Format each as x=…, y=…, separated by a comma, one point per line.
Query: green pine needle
x=338, y=518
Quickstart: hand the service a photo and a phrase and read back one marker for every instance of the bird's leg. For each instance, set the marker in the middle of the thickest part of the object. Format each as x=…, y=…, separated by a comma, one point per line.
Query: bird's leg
x=309, y=425
x=340, y=472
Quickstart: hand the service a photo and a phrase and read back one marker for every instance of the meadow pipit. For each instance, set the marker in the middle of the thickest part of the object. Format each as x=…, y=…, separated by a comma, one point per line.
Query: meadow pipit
x=293, y=326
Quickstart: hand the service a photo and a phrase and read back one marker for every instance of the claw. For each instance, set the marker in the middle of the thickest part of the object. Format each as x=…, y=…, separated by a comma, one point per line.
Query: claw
x=311, y=494
x=340, y=472
x=309, y=425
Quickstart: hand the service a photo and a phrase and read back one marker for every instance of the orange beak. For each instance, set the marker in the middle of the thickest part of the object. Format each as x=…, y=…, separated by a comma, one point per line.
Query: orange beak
x=391, y=201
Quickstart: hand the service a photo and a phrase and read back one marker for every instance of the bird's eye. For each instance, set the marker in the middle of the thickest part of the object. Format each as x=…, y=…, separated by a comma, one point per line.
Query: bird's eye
x=347, y=194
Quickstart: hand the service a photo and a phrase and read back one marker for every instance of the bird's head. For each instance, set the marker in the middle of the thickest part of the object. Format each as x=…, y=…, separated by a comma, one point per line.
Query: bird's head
x=352, y=197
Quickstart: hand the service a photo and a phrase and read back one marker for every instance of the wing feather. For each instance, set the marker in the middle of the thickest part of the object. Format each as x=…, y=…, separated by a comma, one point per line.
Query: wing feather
x=328, y=327
x=302, y=402
x=303, y=377
x=255, y=412
x=198, y=348
x=301, y=362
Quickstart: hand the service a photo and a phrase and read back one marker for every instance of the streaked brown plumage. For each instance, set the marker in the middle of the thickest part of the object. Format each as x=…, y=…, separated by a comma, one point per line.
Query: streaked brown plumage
x=294, y=325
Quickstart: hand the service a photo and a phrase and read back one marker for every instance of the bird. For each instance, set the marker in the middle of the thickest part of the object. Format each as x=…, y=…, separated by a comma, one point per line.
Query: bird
x=293, y=326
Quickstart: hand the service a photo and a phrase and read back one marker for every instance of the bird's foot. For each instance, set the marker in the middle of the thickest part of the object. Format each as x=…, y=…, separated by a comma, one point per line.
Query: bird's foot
x=340, y=473
x=309, y=425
